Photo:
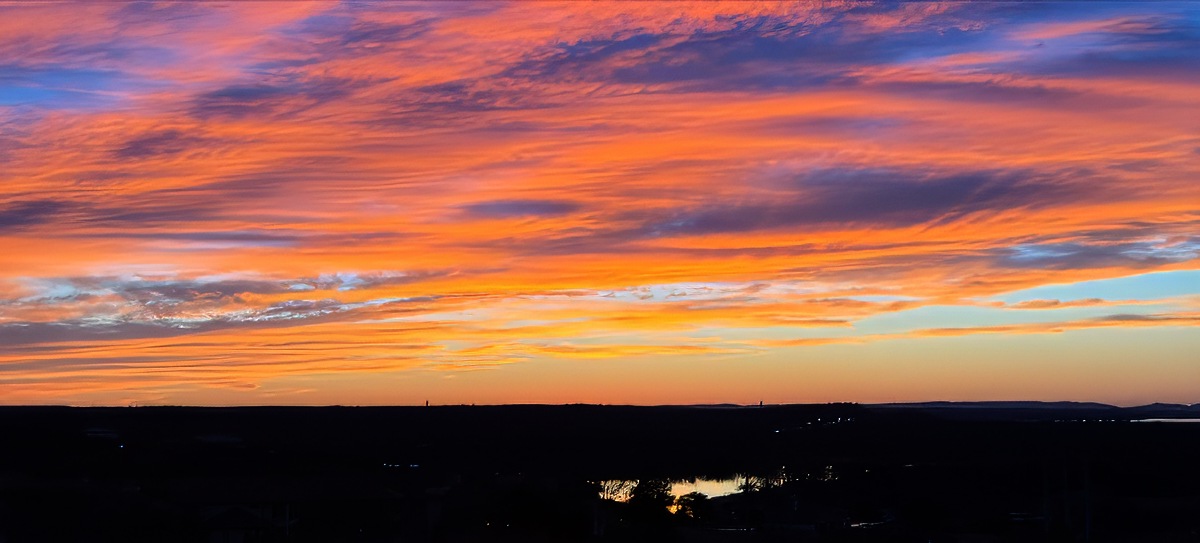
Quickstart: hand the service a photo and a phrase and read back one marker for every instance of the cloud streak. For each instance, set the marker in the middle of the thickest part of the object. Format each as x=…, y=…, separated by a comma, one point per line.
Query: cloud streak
x=322, y=197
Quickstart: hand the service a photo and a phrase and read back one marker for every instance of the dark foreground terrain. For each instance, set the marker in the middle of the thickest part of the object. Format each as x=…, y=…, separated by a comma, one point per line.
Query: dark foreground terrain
x=842, y=472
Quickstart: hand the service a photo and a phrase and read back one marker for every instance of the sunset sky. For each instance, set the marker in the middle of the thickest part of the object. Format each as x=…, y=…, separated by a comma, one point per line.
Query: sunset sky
x=386, y=203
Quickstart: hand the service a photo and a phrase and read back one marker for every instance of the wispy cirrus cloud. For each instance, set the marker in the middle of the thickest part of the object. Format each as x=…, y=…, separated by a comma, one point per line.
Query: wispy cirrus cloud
x=1107, y=321
x=518, y=183
x=30, y=212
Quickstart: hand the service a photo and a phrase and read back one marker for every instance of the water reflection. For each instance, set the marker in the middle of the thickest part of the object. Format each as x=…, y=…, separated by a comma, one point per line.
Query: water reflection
x=709, y=487
x=622, y=489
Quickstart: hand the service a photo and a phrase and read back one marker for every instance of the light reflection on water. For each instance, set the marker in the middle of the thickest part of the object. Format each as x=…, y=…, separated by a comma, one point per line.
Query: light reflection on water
x=709, y=487
x=620, y=489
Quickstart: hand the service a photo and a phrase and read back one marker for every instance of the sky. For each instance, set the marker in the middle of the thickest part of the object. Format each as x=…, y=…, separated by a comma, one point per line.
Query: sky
x=240, y=203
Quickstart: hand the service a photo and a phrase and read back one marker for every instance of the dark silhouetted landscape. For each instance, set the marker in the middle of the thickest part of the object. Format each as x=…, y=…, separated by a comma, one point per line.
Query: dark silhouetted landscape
x=940, y=472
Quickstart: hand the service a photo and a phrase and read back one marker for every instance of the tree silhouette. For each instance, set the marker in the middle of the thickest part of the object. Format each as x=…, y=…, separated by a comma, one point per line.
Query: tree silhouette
x=615, y=489
x=651, y=495
x=693, y=505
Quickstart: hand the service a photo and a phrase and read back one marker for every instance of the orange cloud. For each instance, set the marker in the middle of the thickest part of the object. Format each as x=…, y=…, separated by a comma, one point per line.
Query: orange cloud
x=230, y=197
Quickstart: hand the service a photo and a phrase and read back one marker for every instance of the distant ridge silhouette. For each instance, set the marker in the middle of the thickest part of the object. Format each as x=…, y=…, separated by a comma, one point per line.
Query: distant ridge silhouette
x=999, y=405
